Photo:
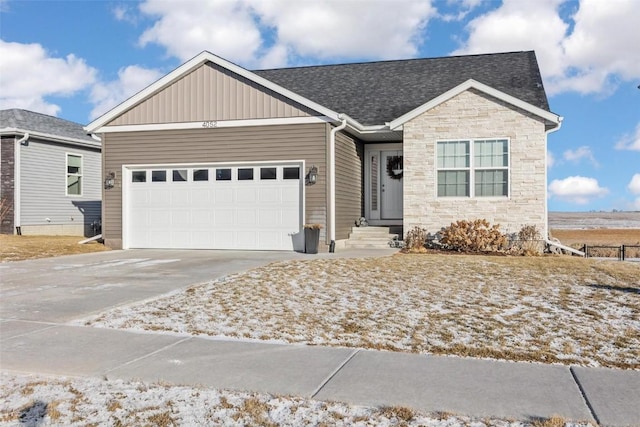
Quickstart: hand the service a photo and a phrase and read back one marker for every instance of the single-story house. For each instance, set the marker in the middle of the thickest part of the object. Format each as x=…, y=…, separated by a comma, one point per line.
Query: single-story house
x=50, y=173
x=213, y=155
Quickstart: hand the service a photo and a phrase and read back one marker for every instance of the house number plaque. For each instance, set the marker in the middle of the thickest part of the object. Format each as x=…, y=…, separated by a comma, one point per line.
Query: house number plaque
x=210, y=124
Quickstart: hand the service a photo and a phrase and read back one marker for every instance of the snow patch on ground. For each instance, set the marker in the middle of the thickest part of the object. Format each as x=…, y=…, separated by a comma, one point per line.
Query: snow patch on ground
x=44, y=400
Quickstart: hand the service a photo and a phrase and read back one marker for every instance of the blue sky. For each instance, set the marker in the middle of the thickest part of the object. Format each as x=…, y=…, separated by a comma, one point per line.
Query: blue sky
x=77, y=59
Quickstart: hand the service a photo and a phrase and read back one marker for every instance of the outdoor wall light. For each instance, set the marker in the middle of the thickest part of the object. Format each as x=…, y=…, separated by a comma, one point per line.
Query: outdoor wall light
x=312, y=175
x=110, y=181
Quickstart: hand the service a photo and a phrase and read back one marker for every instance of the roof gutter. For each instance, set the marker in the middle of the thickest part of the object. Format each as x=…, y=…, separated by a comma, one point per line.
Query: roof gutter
x=546, y=179
x=50, y=137
x=332, y=181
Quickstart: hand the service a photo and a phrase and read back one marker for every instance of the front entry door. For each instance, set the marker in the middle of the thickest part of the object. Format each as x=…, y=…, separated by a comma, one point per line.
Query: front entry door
x=391, y=172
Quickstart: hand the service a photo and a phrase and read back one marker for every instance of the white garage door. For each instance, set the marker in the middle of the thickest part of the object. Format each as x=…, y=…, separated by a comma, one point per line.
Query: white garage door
x=214, y=207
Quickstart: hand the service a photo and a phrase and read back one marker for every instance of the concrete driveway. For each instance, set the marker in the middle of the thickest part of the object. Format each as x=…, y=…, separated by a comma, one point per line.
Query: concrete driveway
x=61, y=289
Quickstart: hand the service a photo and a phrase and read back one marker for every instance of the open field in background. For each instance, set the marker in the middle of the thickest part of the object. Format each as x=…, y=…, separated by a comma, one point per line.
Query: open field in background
x=17, y=248
x=577, y=220
x=601, y=236
x=549, y=309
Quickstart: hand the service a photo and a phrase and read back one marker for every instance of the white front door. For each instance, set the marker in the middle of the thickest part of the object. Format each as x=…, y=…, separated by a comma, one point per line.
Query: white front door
x=391, y=172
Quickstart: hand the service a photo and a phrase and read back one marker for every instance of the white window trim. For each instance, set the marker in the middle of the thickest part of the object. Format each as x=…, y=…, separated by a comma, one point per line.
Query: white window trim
x=472, y=168
x=67, y=174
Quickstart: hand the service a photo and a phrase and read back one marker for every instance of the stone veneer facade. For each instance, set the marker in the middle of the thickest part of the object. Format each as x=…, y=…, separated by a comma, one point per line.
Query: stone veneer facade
x=474, y=114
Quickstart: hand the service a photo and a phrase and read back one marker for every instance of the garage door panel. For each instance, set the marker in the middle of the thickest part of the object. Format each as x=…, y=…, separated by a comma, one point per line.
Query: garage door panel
x=267, y=217
x=246, y=195
x=246, y=218
x=214, y=214
x=223, y=195
x=223, y=217
x=158, y=197
x=179, y=196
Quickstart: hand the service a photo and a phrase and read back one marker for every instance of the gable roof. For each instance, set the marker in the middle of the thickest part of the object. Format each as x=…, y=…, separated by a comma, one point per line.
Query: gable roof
x=191, y=65
x=472, y=84
x=375, y=93
x=48, y=127
x=370, y=95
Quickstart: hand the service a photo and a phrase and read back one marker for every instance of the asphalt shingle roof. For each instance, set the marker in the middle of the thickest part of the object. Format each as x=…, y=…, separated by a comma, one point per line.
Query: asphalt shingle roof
x=37, y=122
x=378, y=92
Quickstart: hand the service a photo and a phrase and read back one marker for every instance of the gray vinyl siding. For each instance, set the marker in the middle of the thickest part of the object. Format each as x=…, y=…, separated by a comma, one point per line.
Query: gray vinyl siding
x=248, y=144
x=211, y=92
x=349, y=176
x=43, y=185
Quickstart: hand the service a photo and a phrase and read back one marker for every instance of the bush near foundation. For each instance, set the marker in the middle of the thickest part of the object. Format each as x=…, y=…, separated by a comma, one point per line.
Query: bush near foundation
x=530, y=240
x=415, y=239
x=474, y=236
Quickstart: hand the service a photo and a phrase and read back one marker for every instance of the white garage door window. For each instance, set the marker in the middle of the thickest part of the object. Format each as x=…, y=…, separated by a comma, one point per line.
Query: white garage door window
x=214, y=207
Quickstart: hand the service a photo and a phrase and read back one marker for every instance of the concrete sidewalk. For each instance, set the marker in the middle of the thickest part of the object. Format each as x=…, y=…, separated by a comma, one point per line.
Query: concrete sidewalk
x=472, y=387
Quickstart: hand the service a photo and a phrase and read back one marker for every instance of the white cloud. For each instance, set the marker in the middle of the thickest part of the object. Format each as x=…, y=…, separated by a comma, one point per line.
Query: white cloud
x=630, y=141
x=258, y=33
x=583, y=152
x=551, y=159
x=634, y=184
x=131, y=80
x=124, y=13
x=185, y=28
x=27, y=71
x=372, y=29
x=576, y=189
x=587, y=58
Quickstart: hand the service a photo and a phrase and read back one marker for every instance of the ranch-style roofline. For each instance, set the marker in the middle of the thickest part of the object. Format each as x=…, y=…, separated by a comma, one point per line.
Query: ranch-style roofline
x=378, y=97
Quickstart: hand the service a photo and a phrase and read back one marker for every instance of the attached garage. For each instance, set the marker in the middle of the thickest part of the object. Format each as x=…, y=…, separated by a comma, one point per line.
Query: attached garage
x=255, y=206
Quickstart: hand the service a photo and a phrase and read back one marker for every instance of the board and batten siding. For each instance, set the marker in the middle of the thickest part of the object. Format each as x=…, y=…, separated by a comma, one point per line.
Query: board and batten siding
x=211, y=92
x=43, y=183
x=218, y=145
x=349, y=176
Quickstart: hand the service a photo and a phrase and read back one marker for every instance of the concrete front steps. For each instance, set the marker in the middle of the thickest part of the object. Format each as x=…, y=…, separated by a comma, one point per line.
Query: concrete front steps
x=370, y=237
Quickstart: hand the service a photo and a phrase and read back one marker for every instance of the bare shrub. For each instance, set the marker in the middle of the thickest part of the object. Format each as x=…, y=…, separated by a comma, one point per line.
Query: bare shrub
x=474, y=236
x=415, y=239
x=529, y=238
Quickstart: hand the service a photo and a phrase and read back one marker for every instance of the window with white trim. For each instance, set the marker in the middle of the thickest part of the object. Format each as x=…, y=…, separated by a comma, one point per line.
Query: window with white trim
x=74, y=175
x=473, y=168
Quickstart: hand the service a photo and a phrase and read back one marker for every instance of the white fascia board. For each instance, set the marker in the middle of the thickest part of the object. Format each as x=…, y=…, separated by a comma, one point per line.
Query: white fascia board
x=50, y=137
x=191, y=65
x=214, y=124
x=473, y=84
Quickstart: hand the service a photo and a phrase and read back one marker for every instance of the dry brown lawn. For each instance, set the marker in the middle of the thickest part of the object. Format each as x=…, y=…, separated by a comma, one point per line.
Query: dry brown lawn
x=550, y=309
x=17, y=248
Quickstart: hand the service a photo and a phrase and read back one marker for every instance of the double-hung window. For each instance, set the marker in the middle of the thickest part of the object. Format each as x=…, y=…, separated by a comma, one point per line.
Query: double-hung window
x=74, y=175
x=473, y=168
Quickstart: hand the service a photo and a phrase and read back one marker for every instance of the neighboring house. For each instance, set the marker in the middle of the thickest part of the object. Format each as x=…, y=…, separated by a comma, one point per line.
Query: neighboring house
x=50, y=175
x=215, y=156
